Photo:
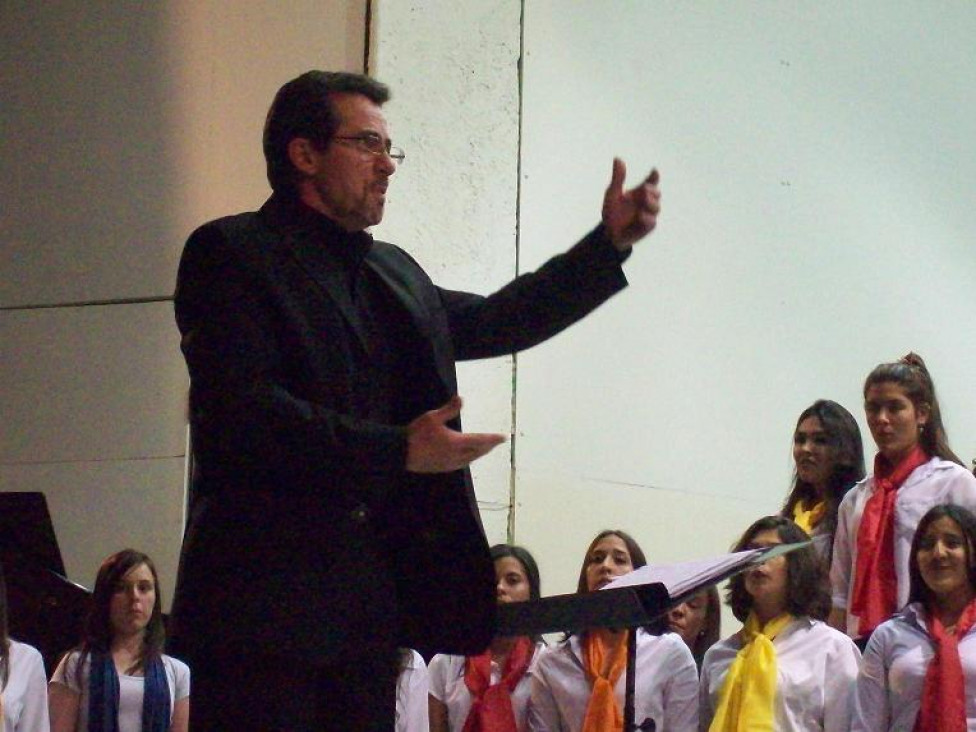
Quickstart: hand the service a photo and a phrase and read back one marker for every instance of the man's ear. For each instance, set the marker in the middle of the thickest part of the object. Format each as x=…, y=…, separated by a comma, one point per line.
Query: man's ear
x=303, y=155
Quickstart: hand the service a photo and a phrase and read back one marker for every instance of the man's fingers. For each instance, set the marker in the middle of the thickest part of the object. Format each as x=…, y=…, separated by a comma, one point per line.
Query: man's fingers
x=654, y=177
x=618, y=176
x=477, y=444
x=447, y=412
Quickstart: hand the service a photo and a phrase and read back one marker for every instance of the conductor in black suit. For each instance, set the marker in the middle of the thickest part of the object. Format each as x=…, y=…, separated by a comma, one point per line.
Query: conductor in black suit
x=333, y=517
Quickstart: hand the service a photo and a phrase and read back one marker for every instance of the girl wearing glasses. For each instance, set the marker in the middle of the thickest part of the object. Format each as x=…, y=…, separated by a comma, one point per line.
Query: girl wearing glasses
x=785, y=670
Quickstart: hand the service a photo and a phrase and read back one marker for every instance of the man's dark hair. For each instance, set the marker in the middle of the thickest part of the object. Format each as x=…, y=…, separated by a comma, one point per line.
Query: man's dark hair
x=303, y=108
x=806, y=577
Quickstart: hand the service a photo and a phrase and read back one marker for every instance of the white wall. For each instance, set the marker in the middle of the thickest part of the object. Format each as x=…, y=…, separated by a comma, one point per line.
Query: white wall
x=817, y=162
x=816, y=171
x=123, y=129
x=453, y=71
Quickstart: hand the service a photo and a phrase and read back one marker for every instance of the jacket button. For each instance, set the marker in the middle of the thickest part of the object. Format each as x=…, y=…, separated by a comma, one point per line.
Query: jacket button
x=360, y=514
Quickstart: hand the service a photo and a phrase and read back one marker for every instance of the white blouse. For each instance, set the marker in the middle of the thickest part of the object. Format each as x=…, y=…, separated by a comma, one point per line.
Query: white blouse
x=897, y=657
x=131, y=689
x=25, y=695
x=666, y=686
x=937, y=481
x=448, y=687
x=411, y=696
x=815, y=671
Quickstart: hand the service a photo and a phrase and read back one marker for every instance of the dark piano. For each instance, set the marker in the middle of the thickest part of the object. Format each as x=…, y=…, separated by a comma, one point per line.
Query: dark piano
x=44, y=609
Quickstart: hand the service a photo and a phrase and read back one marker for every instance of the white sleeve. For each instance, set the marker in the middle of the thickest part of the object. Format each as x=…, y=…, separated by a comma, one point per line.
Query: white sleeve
x=543, y=714
x=437, y=677
x=181, y=675
x=65, y=673
x=841, y=673
x=34, y=716
x=872, y=707
x=962, y=489
x=681, y=696
x=840, y=563
x=415, y=712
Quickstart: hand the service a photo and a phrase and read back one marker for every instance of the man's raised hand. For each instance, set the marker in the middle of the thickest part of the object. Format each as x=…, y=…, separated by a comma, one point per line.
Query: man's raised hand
x=631, y=215
x=433, y=447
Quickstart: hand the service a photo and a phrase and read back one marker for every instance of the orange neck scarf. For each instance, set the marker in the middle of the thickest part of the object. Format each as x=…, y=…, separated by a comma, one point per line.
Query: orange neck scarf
x=604, y=659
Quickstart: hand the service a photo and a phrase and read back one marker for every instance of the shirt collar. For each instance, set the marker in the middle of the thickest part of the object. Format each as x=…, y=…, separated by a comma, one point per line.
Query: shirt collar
x=291, y=214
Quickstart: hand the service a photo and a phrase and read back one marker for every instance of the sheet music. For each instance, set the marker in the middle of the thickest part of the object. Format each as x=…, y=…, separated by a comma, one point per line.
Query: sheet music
x=680, y=578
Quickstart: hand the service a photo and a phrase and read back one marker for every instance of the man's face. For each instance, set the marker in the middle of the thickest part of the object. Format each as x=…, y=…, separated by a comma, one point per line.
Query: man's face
x=345, y=181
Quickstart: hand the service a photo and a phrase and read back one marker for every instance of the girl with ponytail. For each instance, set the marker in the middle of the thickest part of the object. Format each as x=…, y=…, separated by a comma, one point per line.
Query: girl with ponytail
x=914, y=470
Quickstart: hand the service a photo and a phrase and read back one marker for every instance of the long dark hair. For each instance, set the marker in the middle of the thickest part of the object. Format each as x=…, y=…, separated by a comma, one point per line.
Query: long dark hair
x=847, y=453
x=711, y=629
x=911, y=374
x=98, y=625
x=918, y=591
x=523, y=557
x=806, y=585
x=4, y=639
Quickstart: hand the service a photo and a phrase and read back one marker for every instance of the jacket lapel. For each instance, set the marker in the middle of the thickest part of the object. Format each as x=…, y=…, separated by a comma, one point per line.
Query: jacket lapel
x=323, y=271
x=391, y=266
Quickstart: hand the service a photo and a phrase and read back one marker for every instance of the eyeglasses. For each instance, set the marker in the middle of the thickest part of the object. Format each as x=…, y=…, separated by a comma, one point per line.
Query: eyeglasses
x=374, y=144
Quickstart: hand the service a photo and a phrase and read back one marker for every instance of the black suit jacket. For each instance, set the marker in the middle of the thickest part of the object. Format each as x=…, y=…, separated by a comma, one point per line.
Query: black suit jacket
x=306, y=533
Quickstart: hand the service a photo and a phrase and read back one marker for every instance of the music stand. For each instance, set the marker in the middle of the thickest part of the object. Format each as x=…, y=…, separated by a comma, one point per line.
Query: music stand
x=633, y=605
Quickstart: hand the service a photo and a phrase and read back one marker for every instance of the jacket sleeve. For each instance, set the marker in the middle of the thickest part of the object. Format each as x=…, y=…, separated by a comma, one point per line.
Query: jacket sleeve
x=242, y=410
x=537, y=305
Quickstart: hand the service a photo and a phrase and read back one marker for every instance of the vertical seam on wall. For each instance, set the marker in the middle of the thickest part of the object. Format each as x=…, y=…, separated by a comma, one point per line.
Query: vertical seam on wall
x=518, y=234
x=367, y=40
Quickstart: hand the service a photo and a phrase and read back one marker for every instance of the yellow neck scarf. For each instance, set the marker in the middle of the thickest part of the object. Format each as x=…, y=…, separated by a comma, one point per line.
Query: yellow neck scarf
x=605, y=659
x=746, y=700
x=809, y=519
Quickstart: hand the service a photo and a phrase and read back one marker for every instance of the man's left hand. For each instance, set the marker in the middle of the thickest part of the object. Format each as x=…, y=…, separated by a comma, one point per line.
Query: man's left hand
x=631, y=215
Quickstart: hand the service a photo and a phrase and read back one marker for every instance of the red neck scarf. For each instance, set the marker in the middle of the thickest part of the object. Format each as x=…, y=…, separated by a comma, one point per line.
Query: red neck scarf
x=875, y=594
x=491, y=706
x=944, y=694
